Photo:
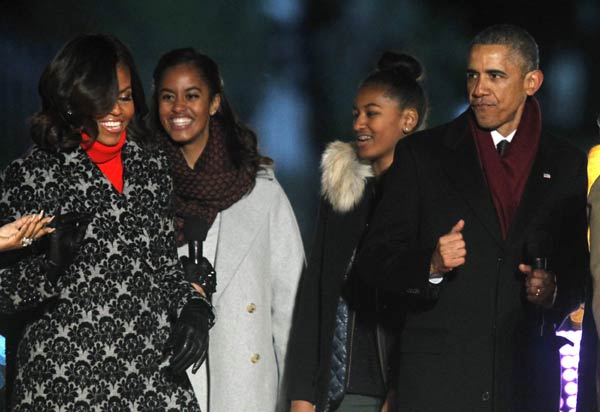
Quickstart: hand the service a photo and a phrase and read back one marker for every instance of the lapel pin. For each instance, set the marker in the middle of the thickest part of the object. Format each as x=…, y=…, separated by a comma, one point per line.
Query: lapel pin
x=546, y=176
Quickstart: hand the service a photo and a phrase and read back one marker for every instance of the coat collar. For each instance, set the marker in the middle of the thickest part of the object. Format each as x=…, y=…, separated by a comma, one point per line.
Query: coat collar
x=343, y=176
x=463, y=168
x=238, y=229
x=538, y=184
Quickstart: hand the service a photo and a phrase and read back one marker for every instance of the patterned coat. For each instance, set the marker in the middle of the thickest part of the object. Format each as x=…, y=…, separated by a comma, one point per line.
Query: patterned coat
x=98, y=344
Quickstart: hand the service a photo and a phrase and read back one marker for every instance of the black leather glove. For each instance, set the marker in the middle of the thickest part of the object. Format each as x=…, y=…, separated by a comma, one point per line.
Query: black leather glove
x=189, y=337
x=63, y=244
x=202, y=273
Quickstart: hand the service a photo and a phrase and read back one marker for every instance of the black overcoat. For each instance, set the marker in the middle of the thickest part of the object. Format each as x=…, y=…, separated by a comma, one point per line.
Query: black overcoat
x=478, y=346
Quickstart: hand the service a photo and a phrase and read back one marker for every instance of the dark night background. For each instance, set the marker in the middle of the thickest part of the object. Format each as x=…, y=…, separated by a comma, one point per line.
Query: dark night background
x=291, y=67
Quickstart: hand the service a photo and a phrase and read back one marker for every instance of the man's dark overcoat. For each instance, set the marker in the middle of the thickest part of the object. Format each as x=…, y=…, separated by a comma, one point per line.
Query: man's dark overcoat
x=477, y=347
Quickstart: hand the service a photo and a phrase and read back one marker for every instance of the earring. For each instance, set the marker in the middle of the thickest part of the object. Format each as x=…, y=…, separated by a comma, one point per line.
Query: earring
x=406, y=130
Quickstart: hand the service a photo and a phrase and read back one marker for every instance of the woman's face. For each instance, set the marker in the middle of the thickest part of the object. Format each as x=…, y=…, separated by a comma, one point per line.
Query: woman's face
x=379, y=123
x=112, y=125
x=185, y=105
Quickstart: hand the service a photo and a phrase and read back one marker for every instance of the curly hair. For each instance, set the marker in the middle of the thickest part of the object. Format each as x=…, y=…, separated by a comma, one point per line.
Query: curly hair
x=79, y=86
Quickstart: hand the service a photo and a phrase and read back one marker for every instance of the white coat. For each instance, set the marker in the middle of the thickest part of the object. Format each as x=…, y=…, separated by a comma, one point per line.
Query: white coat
x=259, y=259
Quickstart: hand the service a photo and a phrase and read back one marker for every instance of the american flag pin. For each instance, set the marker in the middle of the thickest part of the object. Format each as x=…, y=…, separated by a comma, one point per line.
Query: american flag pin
x=547, y=176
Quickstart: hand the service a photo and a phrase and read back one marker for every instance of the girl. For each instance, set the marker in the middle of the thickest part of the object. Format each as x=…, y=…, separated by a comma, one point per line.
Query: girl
x=340, y=351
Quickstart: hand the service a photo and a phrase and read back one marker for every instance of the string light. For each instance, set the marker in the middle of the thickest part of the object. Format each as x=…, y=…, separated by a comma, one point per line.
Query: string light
x=569, y=362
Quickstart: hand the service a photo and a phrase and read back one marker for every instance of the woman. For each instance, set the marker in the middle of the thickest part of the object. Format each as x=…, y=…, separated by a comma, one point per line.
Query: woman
x=222, y=183
x=107, y=283
x=339, y=320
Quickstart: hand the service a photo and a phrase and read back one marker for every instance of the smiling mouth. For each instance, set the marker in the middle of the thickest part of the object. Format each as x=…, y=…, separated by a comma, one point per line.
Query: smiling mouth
x=112, y=126
x=364, y=138
x=181, y=122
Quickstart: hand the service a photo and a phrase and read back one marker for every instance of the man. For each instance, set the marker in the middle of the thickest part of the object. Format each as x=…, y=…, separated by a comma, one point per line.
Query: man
x=490, y=247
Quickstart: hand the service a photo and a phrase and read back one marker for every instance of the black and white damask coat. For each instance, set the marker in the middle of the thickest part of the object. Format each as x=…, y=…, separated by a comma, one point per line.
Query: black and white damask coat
x=98, y=345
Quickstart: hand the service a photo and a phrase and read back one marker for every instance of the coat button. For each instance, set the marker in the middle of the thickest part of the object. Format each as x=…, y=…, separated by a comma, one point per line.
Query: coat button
x=485, y=396
x=255, y=358
x=251, y=308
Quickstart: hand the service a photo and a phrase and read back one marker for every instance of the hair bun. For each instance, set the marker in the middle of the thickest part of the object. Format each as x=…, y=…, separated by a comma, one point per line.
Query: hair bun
x=400, y=63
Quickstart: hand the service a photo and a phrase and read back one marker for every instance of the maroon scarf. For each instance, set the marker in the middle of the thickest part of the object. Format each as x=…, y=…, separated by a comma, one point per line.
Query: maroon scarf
x=213, y=185
x=507, y=176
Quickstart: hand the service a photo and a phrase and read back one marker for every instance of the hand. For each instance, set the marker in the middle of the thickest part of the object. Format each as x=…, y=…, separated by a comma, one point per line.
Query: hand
x=539, y=286
x=450, y=251
x=389, y=404
x=202, y=275
x=64, y=242
x=21, y=232
x=189, y=337
x=302, y=406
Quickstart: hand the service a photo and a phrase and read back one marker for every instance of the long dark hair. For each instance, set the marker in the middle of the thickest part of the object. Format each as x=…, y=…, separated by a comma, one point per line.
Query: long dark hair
x=240, y=140
x=400, y=75
x=79, y=86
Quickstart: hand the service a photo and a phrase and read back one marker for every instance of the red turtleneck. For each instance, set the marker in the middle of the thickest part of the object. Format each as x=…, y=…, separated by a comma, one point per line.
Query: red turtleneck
x=107, y=158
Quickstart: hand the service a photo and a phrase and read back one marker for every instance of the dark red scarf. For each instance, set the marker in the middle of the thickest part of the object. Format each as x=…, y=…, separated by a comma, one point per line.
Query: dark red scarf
x=107, y=158
x=213, y=185
x=507, y=176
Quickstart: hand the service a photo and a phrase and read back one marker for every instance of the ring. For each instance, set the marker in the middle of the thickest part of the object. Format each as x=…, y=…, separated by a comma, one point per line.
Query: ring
x=537, y=292
x=26, y=241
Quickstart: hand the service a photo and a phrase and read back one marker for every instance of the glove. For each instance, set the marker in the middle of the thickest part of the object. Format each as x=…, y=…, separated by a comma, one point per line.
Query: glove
x=63, y=244
x=202, y=273
x=189, y=337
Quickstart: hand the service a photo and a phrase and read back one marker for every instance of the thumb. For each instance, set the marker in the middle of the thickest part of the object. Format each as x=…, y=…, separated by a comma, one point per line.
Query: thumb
x=526, y=269
x=458, y=226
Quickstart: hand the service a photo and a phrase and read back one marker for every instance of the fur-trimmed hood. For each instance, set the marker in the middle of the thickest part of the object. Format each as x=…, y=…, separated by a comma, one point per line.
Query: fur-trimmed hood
x=343, y=176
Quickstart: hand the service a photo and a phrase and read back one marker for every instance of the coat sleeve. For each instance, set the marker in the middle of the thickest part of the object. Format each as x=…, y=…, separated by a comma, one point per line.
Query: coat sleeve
x=391, y=257
x=23, y=282
x=176, y=290
x=303, y=357
x=287, y=262
x=571, y=253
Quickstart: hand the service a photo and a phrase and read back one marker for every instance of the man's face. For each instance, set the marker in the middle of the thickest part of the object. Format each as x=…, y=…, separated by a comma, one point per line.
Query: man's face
x=498, y=87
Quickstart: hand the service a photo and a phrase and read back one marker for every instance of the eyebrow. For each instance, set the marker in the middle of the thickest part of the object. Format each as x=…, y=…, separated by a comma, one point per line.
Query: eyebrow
x=496, y=72
x=166, y=89
x=368, y=105
x=125, y=89
x=490, y=71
